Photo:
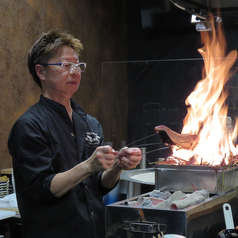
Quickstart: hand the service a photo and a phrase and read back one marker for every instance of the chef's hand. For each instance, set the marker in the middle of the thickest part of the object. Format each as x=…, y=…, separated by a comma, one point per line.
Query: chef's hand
x=102, y=159
x=128, y=158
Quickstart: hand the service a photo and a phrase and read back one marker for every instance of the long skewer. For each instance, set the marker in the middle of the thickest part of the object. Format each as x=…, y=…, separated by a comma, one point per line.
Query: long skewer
x=142, y=139
x=161, y=148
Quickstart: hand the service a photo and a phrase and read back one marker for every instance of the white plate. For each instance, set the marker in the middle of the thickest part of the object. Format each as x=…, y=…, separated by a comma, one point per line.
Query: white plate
x=173, y=236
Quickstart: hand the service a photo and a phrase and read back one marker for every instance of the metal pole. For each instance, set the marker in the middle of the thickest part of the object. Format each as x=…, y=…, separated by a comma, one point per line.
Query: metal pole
x=143, y=160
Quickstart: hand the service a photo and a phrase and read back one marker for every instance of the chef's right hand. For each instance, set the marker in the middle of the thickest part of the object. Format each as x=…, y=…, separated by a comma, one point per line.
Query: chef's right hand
x=102, y=159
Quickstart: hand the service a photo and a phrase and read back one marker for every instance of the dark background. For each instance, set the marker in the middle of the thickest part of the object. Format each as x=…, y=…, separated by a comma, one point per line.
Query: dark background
x=165, y=66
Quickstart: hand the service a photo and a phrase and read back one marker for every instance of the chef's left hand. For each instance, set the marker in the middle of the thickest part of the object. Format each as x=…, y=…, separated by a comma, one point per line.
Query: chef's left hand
x=129, y=158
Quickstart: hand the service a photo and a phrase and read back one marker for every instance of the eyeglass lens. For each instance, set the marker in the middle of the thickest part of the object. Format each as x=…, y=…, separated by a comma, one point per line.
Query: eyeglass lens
x=71, y=66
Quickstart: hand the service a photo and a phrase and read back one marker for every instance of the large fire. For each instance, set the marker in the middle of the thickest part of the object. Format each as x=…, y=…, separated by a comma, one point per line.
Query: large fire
x=207, y=112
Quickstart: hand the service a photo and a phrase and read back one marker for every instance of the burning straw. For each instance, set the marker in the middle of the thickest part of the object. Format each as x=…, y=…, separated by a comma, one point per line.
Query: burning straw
x=206, y=117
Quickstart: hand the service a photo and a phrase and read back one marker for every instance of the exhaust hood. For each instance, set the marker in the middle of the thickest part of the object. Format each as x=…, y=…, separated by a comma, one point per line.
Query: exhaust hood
x=227, y=5
x=199, y=10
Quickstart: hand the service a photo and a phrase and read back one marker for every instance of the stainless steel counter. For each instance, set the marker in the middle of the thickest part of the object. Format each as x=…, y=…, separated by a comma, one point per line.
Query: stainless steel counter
x=133, y=180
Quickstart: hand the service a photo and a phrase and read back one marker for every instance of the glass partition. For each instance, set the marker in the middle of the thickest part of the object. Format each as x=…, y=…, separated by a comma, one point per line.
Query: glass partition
x=139, y=95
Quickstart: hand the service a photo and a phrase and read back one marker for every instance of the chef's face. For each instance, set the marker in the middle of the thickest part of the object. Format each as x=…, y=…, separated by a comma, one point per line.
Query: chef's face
x=56, y=81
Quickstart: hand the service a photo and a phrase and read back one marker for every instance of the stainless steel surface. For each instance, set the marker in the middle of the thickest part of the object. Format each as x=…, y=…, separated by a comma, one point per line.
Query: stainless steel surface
x=143, y=176
x=203, y=220
x=137, y=178
x=181, y=177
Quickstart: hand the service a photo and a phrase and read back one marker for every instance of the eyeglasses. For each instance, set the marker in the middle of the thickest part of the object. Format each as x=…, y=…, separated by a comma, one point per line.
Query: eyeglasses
x=69, y=66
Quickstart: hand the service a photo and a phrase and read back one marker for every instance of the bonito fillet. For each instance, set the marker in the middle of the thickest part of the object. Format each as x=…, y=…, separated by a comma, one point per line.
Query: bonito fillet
x=185, y=141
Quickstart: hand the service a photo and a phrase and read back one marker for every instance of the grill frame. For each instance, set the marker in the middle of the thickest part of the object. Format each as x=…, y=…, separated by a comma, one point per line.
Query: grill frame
x=180, y=177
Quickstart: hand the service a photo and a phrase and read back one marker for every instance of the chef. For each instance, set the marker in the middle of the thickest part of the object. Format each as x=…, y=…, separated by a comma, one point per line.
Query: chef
x=61, y=168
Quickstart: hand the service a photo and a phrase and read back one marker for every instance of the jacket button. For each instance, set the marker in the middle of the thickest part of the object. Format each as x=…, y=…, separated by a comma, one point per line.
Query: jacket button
x=72, y=134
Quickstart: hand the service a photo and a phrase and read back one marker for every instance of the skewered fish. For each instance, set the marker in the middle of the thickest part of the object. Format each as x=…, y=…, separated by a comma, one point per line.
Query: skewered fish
x=185, y=141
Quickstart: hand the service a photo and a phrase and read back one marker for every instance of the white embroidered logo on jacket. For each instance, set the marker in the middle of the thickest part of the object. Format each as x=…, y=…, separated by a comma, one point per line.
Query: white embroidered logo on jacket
x=92, y=138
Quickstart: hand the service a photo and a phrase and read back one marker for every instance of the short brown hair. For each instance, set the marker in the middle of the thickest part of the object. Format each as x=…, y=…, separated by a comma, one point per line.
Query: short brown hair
x=47, y=46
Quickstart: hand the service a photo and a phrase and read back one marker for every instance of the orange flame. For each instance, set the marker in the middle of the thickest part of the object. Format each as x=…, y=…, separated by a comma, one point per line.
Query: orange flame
x=207, y=112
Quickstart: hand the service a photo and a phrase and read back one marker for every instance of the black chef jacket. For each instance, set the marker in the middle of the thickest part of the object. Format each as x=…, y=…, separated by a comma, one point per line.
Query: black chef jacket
x=44, y=142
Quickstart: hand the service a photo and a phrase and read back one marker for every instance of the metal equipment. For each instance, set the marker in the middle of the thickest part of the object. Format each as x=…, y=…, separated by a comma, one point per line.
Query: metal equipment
x=205, y=219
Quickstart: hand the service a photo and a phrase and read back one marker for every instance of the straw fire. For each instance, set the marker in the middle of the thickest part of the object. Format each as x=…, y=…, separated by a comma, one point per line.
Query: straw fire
x=207, y=137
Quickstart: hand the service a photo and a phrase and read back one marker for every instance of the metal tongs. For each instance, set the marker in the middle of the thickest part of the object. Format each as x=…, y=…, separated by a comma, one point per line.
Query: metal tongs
x=230, y=230
x=228, y=216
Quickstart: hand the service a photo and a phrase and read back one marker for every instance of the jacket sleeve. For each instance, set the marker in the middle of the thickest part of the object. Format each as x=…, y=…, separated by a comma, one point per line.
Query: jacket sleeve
x=32, y=160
